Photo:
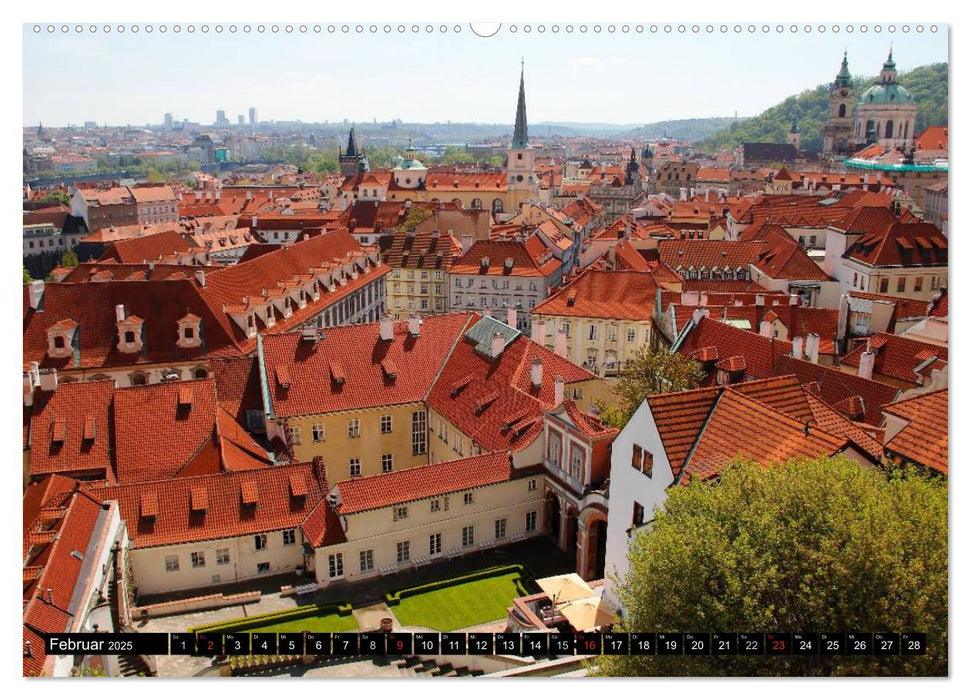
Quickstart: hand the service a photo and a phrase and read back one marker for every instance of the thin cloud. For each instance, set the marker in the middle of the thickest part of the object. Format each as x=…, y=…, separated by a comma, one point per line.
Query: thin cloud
x=587, y=61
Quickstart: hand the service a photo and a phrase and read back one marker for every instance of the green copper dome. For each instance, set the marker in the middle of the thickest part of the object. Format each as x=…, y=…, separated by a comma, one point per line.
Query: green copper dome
x=886, y=93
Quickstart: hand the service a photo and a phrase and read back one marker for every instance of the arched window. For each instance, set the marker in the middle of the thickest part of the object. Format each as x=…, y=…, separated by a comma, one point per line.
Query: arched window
x=457, y=202
x=139, y=379
x=496, y=205
x=888, y=130
x=200, y=373
x=906, y=125
x=476, y=203
x=842, y=112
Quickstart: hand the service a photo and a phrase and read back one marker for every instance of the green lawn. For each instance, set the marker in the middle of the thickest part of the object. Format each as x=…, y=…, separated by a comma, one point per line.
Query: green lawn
x=461, y=605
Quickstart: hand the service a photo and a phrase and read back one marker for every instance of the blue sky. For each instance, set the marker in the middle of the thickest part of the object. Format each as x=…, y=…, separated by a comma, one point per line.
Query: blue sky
x=616, y=78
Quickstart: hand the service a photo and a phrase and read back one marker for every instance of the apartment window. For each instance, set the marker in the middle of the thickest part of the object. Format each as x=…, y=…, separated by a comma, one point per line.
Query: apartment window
x=400, y=512
x=566, y=329
x=918, y=284
x=419, y=433
x=812, y=241
x=387, y=463
x=531, y=485
x=642, y=460
x=531, y=521
x=367, y=561
x=467, y=498
x=576, y=462
x=435, y=544
x=172, y=563
x=403, y=552
x=354, y=466
x=318, y=432
x=468, y=535
x=935, y=282
x=222, y=556
x=631, y=335
x=198, y=559
x=353, y=427
x=501, y=528
x=638, y=518
x=854, y=279
x=289, y=537
x=436, y=505
x=385, y=424
x=884, y=284
x=263, y=567
x=901, y=284
x=553, y=449
x=293, y=433
x=259, y=542
x=335, y=565
x=611, y=333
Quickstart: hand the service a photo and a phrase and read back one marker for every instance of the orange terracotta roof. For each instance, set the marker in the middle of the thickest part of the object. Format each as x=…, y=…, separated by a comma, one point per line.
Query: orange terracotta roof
x=784, y=258
x=600, y=294
x=896, y=356
x=924, y=439
x=681, y=254
x=417, y=483
x=760, y=353
x=530, y=258
x=226, y=514
x=76, y=411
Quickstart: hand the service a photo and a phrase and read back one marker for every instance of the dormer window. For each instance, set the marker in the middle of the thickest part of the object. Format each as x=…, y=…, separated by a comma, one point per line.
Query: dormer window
x=60, y=337
x=130, y=334
x=190, y=331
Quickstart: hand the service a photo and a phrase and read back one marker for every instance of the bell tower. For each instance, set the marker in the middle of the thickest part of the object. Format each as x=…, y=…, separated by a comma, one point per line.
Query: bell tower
x=521, y=182
x=838, y=129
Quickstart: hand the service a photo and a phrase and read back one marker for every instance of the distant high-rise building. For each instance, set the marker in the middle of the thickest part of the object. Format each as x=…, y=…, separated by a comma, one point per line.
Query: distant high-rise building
x=90, y=125
x=221, y=117
x=252, y=116
x=241, y=120
x=168, y=121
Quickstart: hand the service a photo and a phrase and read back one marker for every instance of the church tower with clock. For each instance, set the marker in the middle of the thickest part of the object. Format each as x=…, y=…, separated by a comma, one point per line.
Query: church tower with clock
x=838, y=129
x=522, y=183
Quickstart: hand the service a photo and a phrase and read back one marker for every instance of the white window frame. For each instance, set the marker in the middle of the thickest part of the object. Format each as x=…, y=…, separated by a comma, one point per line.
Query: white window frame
x=366, y=560
x=353, y=427
x=198, y=559
x=172, y=563
x=319, y=432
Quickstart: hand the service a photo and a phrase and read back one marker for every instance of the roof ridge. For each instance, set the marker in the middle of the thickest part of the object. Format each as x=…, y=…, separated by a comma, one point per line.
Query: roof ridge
x=698, y=435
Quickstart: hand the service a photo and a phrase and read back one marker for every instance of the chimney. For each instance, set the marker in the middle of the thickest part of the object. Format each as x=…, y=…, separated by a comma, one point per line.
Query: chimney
x=794, y=299
x=28, y=389
x=249, y=195
x=765, y=329
x=466, y=242
x=690, y=298
x=536, y=374
x=386, y=327
x=201, y=277
x=538, y=331
x=812, y=348
x=511, y=317
x=805, y=182
x=559, y=389
x=866, y=364
x=760, y=300
x=703, y=299
x=699, y=314
x=119, y=313
x=35, y=292
x=797, y=347
x=559, y=343
x=48, y=380
x=414, y=325
x=498, y=344
x=683, y=194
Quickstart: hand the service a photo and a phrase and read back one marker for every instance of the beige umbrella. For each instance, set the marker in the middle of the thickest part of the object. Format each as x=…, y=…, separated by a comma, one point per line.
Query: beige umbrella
x=587, y=613
x=564, y=587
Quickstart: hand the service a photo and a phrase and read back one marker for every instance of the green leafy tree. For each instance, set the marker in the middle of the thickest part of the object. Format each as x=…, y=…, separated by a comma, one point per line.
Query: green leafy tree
x=824, y=545
x=55, y=197
x=69, y=259
x=27, y=277
x=649, y=372
x=415, y=216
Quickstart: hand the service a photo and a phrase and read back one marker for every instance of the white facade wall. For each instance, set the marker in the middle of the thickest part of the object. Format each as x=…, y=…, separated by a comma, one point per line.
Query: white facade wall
x=150, y=574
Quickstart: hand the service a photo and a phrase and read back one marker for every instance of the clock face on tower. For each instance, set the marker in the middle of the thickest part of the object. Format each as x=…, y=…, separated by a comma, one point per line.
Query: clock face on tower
x=843, y=92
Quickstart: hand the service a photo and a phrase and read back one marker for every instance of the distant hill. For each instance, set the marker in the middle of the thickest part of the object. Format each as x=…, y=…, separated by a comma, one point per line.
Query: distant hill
x=927, y=84
x=683, y=129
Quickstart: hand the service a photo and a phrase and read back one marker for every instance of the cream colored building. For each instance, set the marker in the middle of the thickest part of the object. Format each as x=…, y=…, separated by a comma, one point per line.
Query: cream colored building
x=451, y=509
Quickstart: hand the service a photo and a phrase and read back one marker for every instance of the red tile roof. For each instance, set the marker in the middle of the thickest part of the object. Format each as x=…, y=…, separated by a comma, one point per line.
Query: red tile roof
x=147, y=248
x=157, y=438
x=360, y=352
x=924, y=439
x=73, y=409
x=417, y=483
x=420, y=250
x=760, y=353
x=602, y=294
x=226, y=514
x=530, y=258
x=682, y=254
x=784, y=258
x=902, y=244
x=896, y=356
x=834, y=386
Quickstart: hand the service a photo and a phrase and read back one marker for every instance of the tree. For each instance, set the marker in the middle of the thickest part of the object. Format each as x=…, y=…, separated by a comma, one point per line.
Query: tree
x=55, y=197
x=415, y=216
x=27, y=277
x=824, y=545
x=69, y=259
x=649, y=372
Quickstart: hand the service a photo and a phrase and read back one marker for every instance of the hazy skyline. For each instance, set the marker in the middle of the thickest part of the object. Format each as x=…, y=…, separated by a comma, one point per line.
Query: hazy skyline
x=609, y=78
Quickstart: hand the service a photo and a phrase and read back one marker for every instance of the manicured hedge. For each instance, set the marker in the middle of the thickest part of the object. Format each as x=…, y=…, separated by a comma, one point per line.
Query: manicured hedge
x=243, y=623
x=524, y=581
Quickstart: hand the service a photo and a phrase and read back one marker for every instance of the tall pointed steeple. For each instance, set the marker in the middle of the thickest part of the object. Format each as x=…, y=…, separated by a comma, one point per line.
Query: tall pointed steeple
x=519, y=136
x=843, y=78
x=889, y=72
x=351, y=145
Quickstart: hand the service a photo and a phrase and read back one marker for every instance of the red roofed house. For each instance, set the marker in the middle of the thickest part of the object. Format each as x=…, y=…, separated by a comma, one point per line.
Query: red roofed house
x=898, y=361
x=916, y=431
x=678, y=437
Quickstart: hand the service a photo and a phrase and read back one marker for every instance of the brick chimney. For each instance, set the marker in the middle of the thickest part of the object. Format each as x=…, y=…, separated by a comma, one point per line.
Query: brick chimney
x=511, y=316
x=765, y=329
x=559, y=390
x=386, y=326
x=536, y=373
x=35, y=293
x=414, y=325
x=797, y=347
x=498, y=344
x=866, y=364
x=812, y=348
x=559, y=343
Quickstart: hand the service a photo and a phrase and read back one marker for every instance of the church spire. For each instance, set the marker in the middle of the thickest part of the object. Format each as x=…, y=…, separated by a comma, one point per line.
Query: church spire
x=843, y=78
x=519, y=136
x=351, y=145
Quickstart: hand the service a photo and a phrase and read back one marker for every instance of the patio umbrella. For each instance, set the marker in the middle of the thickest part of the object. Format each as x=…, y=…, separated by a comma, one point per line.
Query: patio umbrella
x=587, y=613
x=564, y=587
